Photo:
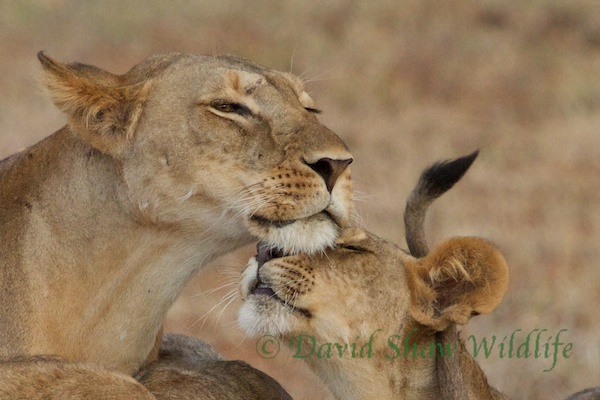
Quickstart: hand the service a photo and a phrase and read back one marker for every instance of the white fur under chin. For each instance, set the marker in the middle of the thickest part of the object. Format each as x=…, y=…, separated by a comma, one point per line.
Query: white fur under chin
x=308, y=235
x=258, y=314
x=254, y=323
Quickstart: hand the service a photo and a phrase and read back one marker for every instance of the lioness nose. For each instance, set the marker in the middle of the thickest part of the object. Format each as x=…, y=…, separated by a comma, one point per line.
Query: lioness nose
x=330, y=170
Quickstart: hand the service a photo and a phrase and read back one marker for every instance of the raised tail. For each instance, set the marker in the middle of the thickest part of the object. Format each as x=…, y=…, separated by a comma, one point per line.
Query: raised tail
x=434, y=182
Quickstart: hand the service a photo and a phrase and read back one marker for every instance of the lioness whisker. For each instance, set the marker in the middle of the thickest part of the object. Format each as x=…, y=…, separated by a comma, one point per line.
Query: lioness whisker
x=204, y=317
x=234, y=296
x=211, y=291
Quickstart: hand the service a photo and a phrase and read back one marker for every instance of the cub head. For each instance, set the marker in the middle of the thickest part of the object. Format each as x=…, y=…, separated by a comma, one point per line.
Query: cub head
x=366, y=284
x=212, y=144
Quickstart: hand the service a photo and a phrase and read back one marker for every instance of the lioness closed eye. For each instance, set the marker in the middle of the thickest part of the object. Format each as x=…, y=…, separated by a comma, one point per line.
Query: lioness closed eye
x=398, y=310
x=157, y=172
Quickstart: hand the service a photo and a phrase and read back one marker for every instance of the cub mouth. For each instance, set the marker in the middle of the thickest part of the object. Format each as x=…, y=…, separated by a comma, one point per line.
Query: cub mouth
x=266, y=253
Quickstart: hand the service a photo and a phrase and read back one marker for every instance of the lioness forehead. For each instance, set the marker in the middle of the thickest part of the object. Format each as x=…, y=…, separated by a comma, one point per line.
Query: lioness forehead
x=236, y=75
x=243, y=82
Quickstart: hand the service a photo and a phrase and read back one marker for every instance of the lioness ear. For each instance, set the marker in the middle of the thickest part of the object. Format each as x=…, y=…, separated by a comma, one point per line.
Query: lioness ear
x=101, y=110
x=463, y=277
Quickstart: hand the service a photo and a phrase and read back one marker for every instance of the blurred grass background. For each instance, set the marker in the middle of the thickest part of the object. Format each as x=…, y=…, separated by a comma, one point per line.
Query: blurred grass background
x=404, y=83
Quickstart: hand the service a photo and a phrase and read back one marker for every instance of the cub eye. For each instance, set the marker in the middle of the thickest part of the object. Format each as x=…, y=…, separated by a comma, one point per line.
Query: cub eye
x=313, y=110
x=226, y=107
x=356, y=249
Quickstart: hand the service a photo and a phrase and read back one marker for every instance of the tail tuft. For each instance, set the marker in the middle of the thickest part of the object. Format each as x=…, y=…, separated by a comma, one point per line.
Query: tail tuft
x=434, y=181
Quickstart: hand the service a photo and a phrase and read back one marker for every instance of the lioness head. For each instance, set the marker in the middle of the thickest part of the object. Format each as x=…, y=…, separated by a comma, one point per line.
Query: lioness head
x=207, y=142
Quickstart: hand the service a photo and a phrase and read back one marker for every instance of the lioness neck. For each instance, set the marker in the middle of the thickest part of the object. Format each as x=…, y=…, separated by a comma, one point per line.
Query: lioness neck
x=112, y=277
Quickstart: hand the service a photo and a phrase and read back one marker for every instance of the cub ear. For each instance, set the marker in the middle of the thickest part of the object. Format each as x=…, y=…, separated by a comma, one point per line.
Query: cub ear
x=462, y=278
x=100, y=109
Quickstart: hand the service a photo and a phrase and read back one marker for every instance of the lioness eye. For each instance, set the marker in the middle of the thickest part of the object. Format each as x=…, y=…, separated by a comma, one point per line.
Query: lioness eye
x=231, y=108
x=225, y=107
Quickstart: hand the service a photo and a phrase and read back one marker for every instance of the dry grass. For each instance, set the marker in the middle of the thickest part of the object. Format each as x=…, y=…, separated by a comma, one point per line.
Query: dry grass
x=405, y=83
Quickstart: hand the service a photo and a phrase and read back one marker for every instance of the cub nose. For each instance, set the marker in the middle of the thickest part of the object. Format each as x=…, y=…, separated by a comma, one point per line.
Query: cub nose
x=330, y=170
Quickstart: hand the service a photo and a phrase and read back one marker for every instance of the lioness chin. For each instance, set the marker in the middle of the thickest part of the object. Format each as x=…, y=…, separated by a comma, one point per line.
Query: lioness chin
x=371, y=319
x=157, y=172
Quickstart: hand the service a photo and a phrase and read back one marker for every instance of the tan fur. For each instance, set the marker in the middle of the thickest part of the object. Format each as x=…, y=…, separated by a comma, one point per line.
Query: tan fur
x=369, y=286
x=186, y=369
x=461, y=277
x=587, y=394
x=53, y=379
x=189, y=369
x=157, y=172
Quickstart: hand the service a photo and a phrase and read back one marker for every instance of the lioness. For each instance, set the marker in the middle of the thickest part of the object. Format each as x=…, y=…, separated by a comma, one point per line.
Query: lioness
x=376, y=317
x=157, y=172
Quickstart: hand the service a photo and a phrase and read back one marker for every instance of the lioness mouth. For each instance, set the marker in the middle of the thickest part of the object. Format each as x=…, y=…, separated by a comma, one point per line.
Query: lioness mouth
x=267, y=222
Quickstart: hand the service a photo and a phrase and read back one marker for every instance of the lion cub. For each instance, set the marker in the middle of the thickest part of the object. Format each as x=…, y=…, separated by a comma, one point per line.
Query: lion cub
x=375, y=322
